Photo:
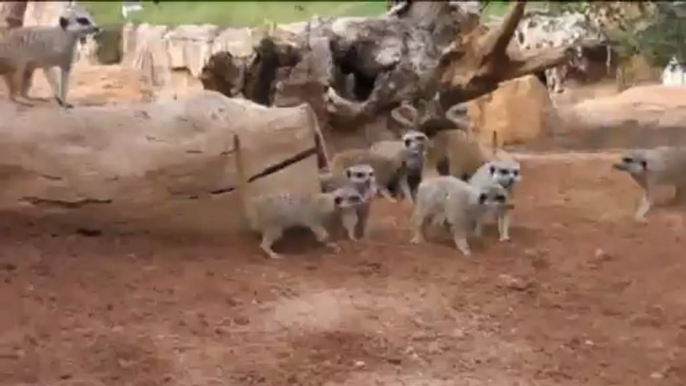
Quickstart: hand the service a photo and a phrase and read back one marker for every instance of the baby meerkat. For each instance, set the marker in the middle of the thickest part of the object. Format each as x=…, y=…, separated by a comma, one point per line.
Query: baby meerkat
x=506, y=173
x=272, y=214
x=361, y=178
x=415, y=144
x=651, y=168
x=456, y=202
x=387, y=169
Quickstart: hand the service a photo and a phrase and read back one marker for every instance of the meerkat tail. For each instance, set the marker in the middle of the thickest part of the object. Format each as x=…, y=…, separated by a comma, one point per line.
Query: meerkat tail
x=242, y=185
x=494, y=143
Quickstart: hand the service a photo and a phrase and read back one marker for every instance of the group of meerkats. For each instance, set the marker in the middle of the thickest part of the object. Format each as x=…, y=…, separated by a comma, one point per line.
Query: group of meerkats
x=460, y=198
x=472, y=185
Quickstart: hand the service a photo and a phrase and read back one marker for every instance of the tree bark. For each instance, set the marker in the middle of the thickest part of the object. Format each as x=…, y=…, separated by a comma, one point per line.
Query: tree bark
x=428, y=53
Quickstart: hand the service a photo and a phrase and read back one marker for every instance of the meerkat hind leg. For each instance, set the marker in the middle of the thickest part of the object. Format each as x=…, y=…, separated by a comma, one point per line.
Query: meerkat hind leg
x=418, y=227
x=385, y=193
x=643, y=206
x=461, y=241
x=14, y=82
x=269, y=236
x=323, y=237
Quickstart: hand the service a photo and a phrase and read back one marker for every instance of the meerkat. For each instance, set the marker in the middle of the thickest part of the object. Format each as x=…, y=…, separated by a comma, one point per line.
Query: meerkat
x=415, y=143
x=451, y=146
x=24, y=49
x=361, y=178
x=651, y=168
x=272, y=214
x=387, y=169
x=506, y=173
x=456, y=202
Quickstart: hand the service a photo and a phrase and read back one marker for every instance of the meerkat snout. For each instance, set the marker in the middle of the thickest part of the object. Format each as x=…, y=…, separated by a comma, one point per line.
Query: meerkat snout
x=632, y=164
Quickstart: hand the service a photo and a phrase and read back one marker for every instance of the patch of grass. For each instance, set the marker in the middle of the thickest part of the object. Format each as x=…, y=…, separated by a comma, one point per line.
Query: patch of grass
x=498, y=8
x=231, y=13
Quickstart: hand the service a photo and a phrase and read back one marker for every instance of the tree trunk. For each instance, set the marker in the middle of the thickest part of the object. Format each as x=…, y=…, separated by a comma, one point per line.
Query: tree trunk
x=421, y=51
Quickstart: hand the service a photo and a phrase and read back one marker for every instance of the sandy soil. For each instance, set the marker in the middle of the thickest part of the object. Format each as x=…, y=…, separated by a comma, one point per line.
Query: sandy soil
x=581, y=296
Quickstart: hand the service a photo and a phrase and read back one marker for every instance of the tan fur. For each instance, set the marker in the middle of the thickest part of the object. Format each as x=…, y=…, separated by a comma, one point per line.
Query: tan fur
x=385, y=168
x=651, y=168
x=362, y=179
x=460, y=205
x=465, y=155
x=271, y=214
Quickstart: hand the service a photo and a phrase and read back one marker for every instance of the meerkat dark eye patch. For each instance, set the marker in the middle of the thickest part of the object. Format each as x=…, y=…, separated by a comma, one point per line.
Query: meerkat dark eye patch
x=355, y=199
x=500, y=198
x=627, y=160
x=64, y=22
x=348, y=173
x=338, y=200
x=644, y=164
x=492, y=169
x=482, y=198
x=408, y=142
x=83, y=21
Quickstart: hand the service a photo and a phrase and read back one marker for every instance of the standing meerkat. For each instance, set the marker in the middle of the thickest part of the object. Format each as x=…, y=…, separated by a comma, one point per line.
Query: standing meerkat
x=24, y=49
x=456, y=202
x=387, y=169
x=451, y=146
x=272, y=214
x=651, y=168
x=415, y=143
x=506, y=173
x=361, y=178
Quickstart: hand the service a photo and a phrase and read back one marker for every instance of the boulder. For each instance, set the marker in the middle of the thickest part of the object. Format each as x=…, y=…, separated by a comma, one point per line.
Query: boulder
x=642, y=116
x=520, y=111
x=44, y=13
x=12, y=13
x=162, y=164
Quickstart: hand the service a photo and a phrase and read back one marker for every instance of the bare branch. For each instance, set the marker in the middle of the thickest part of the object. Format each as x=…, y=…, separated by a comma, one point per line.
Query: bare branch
x=496, y=41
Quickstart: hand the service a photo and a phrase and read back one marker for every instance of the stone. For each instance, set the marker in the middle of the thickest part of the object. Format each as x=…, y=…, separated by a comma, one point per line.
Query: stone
x=44, y=13
x=520, y=111
x=641, y=116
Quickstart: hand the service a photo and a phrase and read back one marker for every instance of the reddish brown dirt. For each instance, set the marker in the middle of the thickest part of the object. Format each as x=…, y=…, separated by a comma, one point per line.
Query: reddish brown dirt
x=581, y=296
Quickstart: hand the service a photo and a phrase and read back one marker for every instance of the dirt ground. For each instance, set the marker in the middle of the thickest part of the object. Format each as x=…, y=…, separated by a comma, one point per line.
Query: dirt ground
x=582, y=295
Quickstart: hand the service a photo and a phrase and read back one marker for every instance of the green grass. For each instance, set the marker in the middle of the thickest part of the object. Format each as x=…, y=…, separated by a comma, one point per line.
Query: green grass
x=231, y=13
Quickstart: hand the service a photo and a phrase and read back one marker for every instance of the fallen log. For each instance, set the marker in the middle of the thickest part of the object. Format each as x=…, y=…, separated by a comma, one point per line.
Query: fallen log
x=170, y=161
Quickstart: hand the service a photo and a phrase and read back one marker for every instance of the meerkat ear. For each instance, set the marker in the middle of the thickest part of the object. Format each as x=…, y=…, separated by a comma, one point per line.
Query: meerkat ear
x=64, y=22
x=338, y=200
x=348, y=173
x=644, y=163
x=482, y=198
x=492, y=169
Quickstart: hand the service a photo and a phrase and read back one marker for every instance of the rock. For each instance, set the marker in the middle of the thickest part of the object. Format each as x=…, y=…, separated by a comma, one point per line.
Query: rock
x=189, y=46
x=643, y=116
x=511, y=282
x=169, y=162
x=520, y=111
x=44, y=13
x=12, y=13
